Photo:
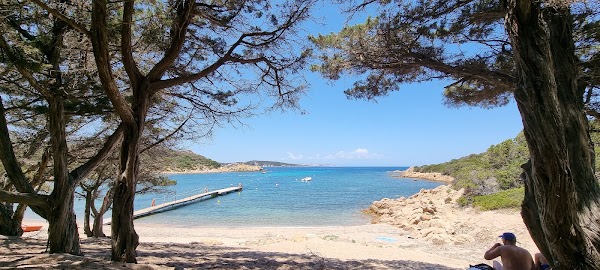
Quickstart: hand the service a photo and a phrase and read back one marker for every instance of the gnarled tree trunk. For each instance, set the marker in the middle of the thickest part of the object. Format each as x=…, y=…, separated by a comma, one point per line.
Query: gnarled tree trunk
x=63, y=236
x=124, y=238
x=89, y=201
x=99, y=214
x=562, y=204
x=9, y=224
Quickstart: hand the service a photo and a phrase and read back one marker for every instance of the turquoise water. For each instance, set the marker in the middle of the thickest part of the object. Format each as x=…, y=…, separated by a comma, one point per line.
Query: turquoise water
x=334, y=197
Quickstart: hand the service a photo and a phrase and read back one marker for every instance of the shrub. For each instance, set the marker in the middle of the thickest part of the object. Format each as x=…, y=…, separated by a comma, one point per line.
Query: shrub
x=511, y=198
x=463, y=201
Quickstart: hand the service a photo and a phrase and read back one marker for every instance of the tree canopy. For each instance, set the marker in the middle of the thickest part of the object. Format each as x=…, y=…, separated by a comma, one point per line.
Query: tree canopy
x=463, y=42
x=542, y=53
x=181, y=66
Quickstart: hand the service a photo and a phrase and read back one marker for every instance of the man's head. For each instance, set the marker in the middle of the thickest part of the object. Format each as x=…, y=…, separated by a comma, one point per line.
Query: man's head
x=509, y=238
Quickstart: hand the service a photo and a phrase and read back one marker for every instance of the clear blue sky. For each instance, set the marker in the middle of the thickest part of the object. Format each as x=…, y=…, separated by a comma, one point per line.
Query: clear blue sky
x=409, y=127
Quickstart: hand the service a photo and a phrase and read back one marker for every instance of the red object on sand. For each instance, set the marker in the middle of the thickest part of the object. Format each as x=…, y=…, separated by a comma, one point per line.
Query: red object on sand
x=31, y=228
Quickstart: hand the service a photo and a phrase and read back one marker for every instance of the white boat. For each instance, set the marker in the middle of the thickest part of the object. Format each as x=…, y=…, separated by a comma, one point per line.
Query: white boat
x=306, y=179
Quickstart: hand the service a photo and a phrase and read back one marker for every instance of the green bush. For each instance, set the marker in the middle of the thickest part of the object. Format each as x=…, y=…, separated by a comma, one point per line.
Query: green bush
x=491, y=179
x=511, y=198
x=463, y=201
x=498, y=168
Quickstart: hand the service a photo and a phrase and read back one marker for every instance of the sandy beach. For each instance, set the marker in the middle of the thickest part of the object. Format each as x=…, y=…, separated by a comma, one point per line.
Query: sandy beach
x=371, y=246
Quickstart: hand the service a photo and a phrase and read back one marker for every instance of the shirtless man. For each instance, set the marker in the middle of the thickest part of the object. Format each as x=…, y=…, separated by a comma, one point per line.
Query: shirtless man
x=513, y=257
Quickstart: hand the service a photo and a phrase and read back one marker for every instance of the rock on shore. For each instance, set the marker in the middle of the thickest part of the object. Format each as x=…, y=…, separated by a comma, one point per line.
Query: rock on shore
x=433, y=215
x=411, y=173
x=429, y=214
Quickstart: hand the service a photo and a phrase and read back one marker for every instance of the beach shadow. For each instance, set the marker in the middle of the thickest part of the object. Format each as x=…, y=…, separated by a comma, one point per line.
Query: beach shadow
x=186, y=256
x=199, y=256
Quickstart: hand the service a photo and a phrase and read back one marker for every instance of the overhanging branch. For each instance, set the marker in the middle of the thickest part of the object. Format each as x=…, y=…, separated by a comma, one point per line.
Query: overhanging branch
x=24, y=198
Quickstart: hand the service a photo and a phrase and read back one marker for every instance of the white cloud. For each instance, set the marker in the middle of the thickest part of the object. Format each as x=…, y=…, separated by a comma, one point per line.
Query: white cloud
x=357, y=154
x=293, y=156
x=360, y=153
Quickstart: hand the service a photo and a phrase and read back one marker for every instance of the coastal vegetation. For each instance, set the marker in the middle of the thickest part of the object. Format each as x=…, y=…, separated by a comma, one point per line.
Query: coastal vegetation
x=496, y=169
x=492, y=179
x=263, y=163
x=173, y=160
x=541, y=53
x=511, y=198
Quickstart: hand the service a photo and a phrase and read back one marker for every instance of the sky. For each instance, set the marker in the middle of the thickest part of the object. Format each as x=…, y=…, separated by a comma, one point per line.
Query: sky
x=410, y=127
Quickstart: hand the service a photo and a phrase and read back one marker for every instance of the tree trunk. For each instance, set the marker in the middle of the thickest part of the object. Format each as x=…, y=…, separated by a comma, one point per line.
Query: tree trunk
x=98, y=230
x=562, y=204
x=124, y=237
x=8, y=225
x=89, y=200
x=63, y=236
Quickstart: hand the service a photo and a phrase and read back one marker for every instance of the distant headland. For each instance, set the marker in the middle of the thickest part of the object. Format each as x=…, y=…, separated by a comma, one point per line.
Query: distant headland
x=434, y=176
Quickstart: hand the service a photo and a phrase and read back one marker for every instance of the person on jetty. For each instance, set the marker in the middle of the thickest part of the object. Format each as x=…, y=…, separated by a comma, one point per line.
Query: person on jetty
x=513, y=257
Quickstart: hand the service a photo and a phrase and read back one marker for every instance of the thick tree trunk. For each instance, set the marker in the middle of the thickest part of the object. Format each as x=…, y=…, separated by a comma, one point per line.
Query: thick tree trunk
x=562, y=204
x=124, y=237
x=63, y=236
x=8, y=225
x=98, y=229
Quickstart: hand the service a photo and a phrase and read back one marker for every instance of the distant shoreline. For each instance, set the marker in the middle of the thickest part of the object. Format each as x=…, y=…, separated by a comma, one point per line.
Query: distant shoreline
x=411, y=173
x=238, y=167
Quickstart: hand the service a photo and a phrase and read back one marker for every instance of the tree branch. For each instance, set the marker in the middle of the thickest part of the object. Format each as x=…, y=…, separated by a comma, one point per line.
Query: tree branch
x=166, y=137
x=24, y=198
x=178, y=31
x=100, y=45
x=73, y=24
x=126, y=47
x=22, y=70
x=82, y=171
x=9, y=160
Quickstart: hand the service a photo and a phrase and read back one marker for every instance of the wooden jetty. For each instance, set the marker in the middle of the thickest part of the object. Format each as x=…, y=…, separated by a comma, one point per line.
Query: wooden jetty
x=163, y=207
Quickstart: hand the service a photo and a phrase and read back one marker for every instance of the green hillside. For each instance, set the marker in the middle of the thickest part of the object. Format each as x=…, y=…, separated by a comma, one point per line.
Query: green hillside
x=185, y=160
x=270, y=164
x=496, y=169
x=492, y=179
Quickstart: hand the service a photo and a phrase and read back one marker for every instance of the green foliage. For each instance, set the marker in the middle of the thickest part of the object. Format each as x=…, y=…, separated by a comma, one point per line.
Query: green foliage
x=511, y=198
x=498, y=168
x=184, y=160
x=463, y=201
x=492, y=179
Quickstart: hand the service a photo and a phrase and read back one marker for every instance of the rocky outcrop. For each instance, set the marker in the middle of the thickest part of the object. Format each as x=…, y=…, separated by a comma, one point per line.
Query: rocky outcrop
x=232, y=167
x=239, y=167
x=430, y=214
x=434, y=216
x=411, y=173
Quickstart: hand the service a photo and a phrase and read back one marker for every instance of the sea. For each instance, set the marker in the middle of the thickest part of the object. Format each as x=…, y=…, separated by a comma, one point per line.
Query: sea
x=277, y=197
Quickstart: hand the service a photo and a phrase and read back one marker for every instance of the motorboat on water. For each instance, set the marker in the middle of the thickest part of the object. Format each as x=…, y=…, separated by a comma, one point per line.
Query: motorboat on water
x=306, y=179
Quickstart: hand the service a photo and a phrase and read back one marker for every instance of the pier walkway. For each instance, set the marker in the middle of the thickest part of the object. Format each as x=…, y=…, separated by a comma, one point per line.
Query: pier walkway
x=179, y=203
